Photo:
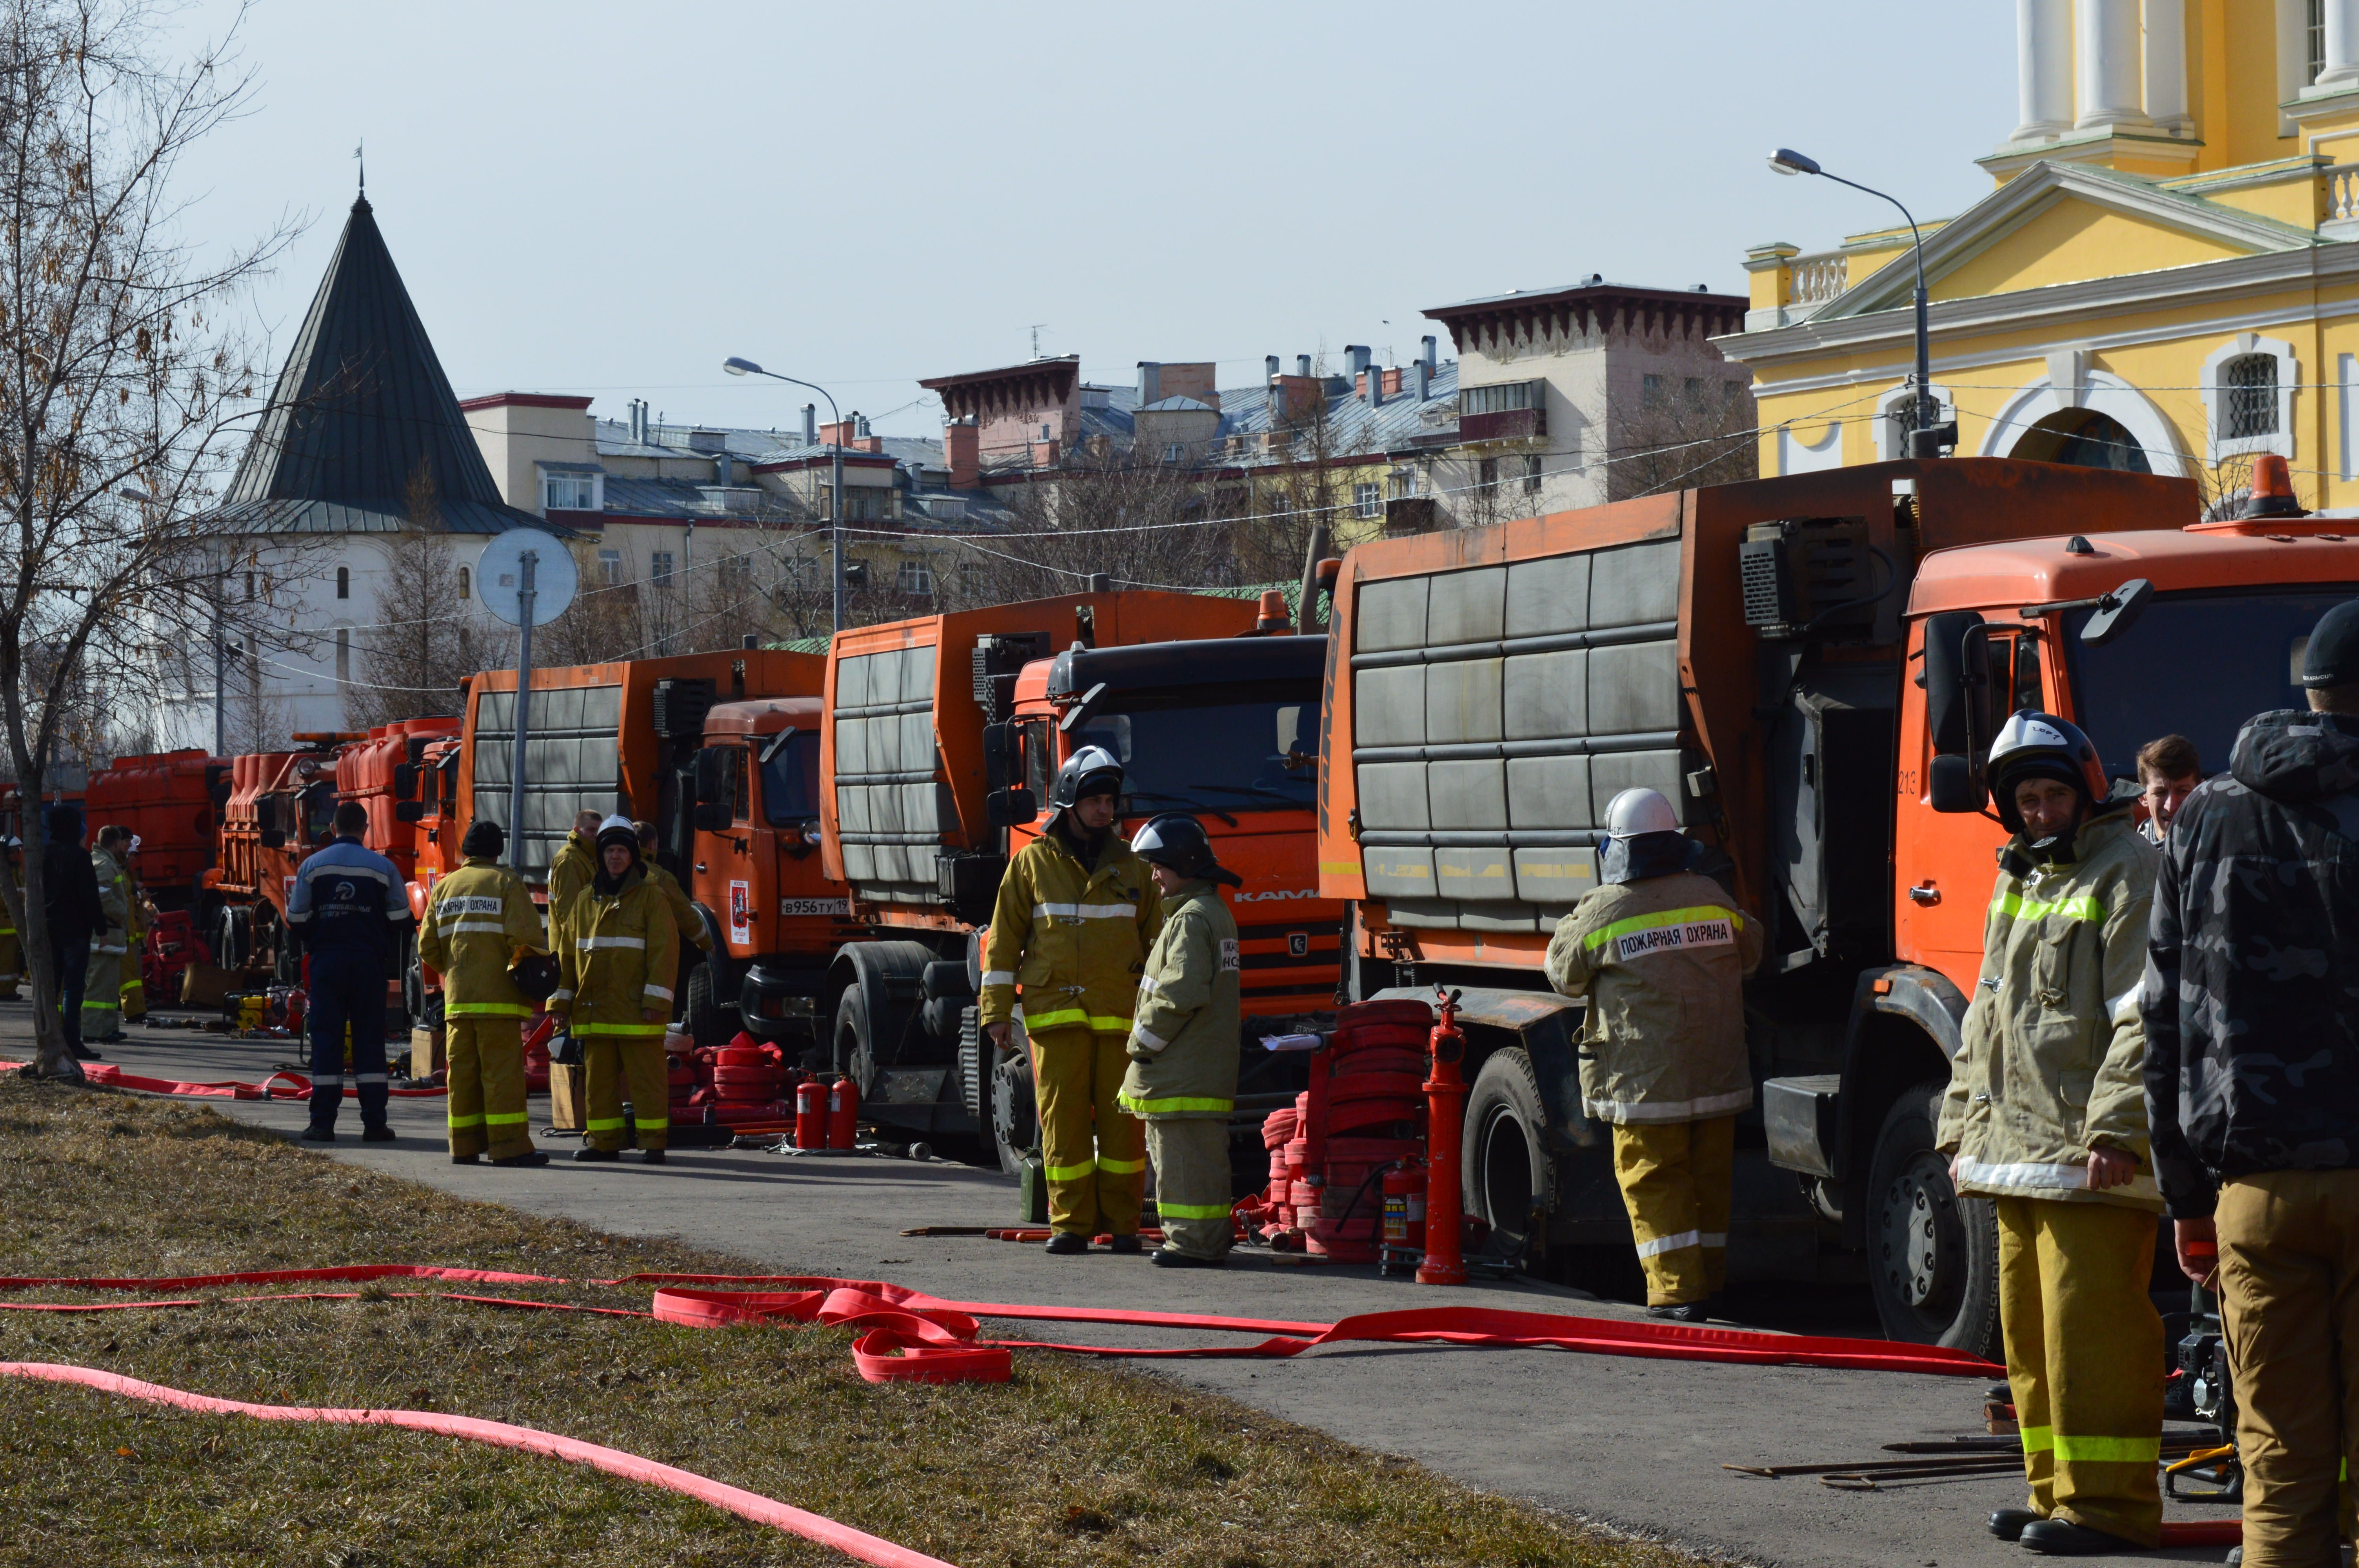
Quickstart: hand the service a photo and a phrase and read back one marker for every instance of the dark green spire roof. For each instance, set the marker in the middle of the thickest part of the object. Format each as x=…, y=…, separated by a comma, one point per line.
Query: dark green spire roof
x=360, y=407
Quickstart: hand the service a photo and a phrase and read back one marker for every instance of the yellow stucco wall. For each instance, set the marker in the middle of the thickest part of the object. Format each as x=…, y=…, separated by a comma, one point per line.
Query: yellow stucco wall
x=2071, y=240
x=2295, y=202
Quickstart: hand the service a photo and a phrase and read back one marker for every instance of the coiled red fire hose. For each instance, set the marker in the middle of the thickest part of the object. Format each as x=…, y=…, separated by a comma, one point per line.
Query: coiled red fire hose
x=748, y=1505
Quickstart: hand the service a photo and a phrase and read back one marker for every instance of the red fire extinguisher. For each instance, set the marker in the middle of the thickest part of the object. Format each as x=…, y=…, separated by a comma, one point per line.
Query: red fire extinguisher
x=842, y=1113
x=1445, y=1101
x=810, y=1116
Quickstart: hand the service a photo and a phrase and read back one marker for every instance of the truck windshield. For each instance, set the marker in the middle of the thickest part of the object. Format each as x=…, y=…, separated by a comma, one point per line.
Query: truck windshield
x=790, y=782
x=1253, y=750
x=2197, y=665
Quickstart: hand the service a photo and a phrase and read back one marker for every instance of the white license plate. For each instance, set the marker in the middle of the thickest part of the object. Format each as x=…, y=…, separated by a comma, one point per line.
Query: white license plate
x=814, y=907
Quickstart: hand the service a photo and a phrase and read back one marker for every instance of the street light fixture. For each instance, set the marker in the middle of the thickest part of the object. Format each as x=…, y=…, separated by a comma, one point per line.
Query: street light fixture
x=1925, y=438
x=736, y=366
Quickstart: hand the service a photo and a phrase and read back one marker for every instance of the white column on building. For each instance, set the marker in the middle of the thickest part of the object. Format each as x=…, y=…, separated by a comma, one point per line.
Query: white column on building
x=2340, y=71
x=2043, y=64
x=2166, y=62
x=2106, y=48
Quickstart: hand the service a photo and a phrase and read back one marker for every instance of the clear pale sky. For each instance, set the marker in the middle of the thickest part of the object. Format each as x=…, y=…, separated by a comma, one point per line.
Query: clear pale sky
x=609, y=199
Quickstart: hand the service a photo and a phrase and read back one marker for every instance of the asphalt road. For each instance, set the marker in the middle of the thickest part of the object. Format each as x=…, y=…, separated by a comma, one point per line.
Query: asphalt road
x=1634, y=1443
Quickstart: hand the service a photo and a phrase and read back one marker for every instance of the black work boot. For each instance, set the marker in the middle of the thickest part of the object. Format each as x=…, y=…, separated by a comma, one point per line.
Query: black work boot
x=1068, y=1243
x=1681, y=1312
x=380, y=1133
x=1123, y=1244
x=2008, y=1524
x=1164, y=1258
x=2062, y=1538
x=315, y=1133
x=530, y=1157
x=651, y=1156
x=590, y=1156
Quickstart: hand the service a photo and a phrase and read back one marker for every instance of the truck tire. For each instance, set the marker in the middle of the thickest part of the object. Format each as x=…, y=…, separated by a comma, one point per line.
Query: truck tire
x=1014, y=1120
x=707, y=1024
x=1504, y=1170
x=1932, y=1257
x=852, y=1054
x=228, y=938
x=413, y=981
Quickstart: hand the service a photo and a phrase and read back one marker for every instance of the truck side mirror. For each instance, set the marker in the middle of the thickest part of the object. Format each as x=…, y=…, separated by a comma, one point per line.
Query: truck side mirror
x=2116, y=611
x=405, y=781
x=410, y=811
x=998, y=751
x=1957, y=702
x=1012, y=808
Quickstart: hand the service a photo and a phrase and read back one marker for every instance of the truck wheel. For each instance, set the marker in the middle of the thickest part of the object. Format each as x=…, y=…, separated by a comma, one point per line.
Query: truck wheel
x=413, y=985
x=1932, y=1257
x=1506, y=1173
x=851, y=1055
x=228, y=953
x=1015, y=1120
x=707, y=1024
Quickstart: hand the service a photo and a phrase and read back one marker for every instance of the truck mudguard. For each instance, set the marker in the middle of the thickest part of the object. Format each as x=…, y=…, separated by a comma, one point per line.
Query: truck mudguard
x=1927, y=997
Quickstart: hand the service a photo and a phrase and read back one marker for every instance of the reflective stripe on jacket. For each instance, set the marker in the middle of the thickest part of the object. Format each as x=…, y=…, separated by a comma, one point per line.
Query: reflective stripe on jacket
x=1663, y=962
x=480, y=915
x=1183, y=1043
x=683, y=913
x=114, y=901
x=569, y=871
x=2051, y=1059
x=1074, y=938
x=617, y=956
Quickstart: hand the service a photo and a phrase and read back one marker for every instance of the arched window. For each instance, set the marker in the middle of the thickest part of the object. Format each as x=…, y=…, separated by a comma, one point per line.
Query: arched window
x=466, y=582
x=343, y=582
x=2248, y=385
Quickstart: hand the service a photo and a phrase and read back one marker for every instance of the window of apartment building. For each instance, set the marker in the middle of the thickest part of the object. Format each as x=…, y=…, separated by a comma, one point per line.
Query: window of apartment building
x=1401, y=483
x=2250, y=383
x=1368, y=499
x=915, y=577
x=736, y=575
x=343, y=582
x=971, y=581
x=1505, y=397
x=659, y=568
x=466, y=582
x=568, y=491
x=343, y=654
x=1172, y=452
x=1486, y=475
x=610, y=565
x=1734, y=391
x=1651, y=388
x=1533, y=470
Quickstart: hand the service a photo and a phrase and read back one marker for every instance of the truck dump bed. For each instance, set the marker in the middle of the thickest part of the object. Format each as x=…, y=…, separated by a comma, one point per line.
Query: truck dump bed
x=1491, y=689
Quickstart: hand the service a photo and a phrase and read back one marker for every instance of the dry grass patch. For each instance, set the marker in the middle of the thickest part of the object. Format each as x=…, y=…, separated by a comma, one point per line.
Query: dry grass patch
x=1073, y=1463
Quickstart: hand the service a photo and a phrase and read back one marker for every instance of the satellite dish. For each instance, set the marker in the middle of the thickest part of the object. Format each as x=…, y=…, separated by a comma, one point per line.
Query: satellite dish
x=499, y=576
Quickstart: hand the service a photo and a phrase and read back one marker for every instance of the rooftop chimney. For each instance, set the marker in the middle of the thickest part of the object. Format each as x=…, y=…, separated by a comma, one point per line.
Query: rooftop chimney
x=1420, y=377
x=1149, y=382
x=1425, y=356
x=810, y=424
x=860, y=424
x=1358, y=356
x=1269, y=367
x=962, y=450
x=1372, y=383
x=1303, y=364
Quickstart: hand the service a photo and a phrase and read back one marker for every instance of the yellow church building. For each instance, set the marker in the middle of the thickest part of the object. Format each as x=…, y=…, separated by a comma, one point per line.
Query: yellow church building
x=2165, y=278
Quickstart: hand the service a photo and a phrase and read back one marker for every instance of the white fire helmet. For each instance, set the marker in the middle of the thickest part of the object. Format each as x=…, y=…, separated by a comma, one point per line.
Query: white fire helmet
x=1638, y=811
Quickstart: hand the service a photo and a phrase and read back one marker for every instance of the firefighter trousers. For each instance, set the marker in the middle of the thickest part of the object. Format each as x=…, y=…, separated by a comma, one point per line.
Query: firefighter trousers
x=101, y=996
x=135, y=989
x=619, y=1067
x=487, y=1086
x=2084, y=1361
x=1093, y=1150
x=1674, y=1179
x=2289, y=1308
x=11, y=962
x=1191, y=1182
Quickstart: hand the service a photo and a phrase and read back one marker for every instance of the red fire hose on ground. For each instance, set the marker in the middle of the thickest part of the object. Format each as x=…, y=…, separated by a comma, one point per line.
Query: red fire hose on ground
x=282, y=1085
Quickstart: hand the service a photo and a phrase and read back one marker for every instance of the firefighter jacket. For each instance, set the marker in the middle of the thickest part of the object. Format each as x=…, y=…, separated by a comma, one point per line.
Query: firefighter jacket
x=616, y=956
x=1662, y=960
x=113, y=903
x=2252, y=1023
x=2051, y=1055
x=480, y=915
x=1073, y=938
x=683, y=913
x=1183, y=1043
x=569, y=871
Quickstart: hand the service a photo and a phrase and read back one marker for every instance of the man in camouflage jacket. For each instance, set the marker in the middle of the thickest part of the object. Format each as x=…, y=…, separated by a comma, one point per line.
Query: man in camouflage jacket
x=2252, y=1077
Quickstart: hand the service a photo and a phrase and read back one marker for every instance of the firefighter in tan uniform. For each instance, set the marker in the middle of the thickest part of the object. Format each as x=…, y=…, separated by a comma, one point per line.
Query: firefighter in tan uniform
x=683, y=912
x=102, y=1004
x=479, y=919
x=1075, y=913
x=134, y=959
x=2045, y=1116
x=616, y=952
x=569, y=871
x=1661, y=953
x=1183, y=1043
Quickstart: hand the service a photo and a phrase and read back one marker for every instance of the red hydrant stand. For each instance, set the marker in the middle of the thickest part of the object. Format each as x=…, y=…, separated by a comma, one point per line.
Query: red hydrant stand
x=1445, y=1101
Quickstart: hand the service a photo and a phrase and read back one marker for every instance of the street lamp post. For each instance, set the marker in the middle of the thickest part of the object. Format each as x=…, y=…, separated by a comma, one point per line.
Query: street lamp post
x=1925, y=438
x=736, y=366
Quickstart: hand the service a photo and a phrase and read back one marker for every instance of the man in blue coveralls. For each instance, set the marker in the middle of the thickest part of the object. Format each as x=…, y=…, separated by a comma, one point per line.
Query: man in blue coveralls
x=348, y=905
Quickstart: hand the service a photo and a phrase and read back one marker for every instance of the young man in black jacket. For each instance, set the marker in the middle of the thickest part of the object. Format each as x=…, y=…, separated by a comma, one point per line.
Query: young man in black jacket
x=2252, y=1075
x=69, y=905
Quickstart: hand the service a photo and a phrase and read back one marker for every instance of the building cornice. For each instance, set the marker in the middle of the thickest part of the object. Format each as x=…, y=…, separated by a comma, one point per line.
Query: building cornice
x=2054, y=308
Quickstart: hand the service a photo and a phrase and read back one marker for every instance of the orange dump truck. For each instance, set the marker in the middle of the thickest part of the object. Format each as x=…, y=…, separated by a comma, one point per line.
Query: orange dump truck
x=171, y=802
x=944, y=733
x=1808, y=669
x=281, y=807
x=720, y=751
x=396, y=772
